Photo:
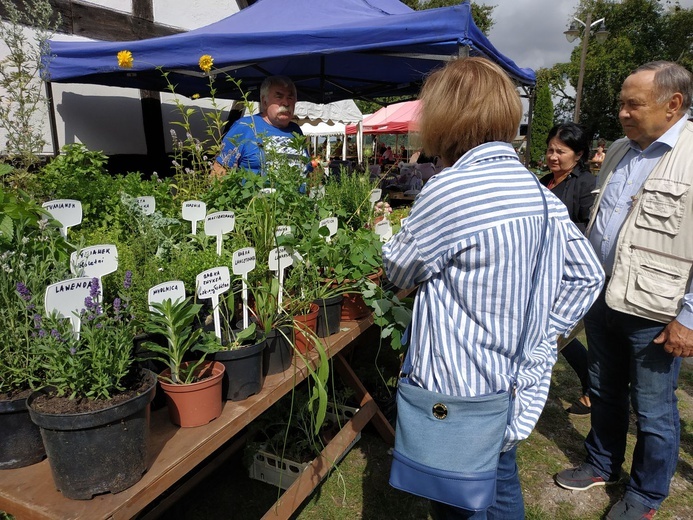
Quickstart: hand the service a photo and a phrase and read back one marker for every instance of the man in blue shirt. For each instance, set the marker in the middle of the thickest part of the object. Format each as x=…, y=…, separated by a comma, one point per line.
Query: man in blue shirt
x=642, y=323
x=253, y=141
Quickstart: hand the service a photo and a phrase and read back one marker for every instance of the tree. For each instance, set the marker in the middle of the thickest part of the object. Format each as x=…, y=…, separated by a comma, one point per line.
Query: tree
x=482, y=16
x=639, y=31
x=542, y=121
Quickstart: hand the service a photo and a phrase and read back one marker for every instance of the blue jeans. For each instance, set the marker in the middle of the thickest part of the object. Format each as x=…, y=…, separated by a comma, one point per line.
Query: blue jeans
x=508, y=505
x=625, y=365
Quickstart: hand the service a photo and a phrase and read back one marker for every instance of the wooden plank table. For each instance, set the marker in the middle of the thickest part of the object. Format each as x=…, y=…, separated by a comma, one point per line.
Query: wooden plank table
x=29, y=493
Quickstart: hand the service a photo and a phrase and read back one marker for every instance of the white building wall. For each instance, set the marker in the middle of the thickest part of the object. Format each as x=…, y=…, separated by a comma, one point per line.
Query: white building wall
x=110, y=118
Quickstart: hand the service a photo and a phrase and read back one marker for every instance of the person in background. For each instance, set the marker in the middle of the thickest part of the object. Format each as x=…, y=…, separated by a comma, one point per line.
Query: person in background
x=471, y=244
x=599, y=155
x=388, y=157
x=567, y=150
x=403, y=153
x=642, y=323
x=249, y=139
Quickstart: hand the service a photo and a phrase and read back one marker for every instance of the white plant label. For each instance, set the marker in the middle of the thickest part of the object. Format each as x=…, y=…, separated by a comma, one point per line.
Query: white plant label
x=94, y=261
x=174, y=291
x=279, y=259
x=218, y=224
x=66, y=211
x=268, y=191
x=194, y=211
x=331, y=224
x=283, y=230
x=210, y=284
x=375, y=196
x=244, y=262
x=384, y=230
x=147, y=204
x=66, y=298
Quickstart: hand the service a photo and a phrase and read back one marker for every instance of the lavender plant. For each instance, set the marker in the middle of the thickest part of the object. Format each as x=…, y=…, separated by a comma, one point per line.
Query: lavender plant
x=96, y=363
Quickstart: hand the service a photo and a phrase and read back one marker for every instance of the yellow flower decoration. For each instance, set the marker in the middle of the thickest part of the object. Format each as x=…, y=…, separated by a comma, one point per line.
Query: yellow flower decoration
x=196, y=96
x=125, y=59
x=206, y=62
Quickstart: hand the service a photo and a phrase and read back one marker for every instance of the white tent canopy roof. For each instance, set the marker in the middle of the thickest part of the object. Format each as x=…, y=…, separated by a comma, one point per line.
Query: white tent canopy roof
x=323, y=128
x=344, y=111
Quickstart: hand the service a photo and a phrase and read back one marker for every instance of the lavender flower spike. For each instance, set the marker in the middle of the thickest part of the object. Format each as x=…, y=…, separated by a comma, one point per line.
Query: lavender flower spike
x=23, y=291
x=127, y=282
x=94, y=289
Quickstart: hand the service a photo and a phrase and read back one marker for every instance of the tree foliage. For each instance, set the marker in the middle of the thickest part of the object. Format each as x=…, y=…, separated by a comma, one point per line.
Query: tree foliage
x=482, y=16
x=639, y=31
x=542, y=121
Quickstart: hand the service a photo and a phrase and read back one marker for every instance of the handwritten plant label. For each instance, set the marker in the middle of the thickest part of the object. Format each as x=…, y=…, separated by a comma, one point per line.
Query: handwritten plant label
x=384, y=230
x=94, y=261
x=283, y=230
x=194, y=211
x=279, y=259
x=209, y=285
x=268, y=191
x=174, y=291
x=243, y=262
x=331, y=224
x=66, y=298
x=66, y=211
x=218, y=224
x=147, y=204
x=375, y=196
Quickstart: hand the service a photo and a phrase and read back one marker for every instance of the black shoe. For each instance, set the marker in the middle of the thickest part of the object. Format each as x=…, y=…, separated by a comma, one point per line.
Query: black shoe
x=630, y=510
x=579, y=408
x=581, y=478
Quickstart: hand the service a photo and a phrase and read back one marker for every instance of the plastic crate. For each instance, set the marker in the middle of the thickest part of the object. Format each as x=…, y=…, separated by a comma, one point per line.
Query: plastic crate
x=271, y=469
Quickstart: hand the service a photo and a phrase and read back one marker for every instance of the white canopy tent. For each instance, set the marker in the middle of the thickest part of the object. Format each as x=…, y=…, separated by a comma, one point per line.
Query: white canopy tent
x=331, y=119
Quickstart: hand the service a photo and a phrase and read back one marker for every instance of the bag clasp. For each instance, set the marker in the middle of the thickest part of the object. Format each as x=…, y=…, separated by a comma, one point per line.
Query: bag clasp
x=440, y=411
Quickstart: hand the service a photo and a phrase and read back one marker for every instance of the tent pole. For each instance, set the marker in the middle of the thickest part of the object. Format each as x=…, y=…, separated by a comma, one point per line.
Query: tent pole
x=51, y=118
x=528, y=137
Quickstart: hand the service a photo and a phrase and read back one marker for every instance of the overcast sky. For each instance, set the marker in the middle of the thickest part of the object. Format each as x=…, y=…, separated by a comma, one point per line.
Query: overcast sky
x=530, y=32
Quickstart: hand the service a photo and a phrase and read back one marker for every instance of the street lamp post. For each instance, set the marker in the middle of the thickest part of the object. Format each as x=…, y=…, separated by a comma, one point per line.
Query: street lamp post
x=571, y=34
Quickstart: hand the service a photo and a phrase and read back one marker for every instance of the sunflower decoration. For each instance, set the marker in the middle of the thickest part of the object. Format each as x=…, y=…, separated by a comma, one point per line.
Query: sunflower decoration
x=125, y=60
x=206, y=62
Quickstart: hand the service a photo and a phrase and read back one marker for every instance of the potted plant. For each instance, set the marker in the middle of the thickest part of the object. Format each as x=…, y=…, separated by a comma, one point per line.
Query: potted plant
x=192, y=388
x=94, y=412
x=32, y=254
x=241, y=353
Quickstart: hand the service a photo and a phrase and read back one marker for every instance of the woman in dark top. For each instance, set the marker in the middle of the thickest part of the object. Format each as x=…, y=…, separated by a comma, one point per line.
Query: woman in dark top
x=567, y=155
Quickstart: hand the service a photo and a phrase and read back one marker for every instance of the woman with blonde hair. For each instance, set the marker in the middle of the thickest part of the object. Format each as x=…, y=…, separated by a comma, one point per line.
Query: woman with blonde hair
x=471, y=244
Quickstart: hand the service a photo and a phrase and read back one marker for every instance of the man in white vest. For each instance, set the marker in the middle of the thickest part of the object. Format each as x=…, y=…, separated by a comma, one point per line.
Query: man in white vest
x=642, y=324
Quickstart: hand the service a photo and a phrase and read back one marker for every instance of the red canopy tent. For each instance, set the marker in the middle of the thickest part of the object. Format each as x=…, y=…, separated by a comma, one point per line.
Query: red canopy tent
x=398, y=118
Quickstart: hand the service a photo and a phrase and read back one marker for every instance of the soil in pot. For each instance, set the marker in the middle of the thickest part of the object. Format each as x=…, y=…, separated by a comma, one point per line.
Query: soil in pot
x=197, y=403
x=21, y=439
x=97, y=446
x=243, y=374
x=329, y=315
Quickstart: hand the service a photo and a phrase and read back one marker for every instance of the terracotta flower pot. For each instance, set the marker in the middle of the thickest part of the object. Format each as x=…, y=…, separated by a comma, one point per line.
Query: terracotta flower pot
x=305, y=327
x=353, y=306
x=198, y=403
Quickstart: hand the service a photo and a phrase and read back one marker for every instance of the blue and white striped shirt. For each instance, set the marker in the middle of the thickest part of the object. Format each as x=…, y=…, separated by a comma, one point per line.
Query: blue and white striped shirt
x=471, y=243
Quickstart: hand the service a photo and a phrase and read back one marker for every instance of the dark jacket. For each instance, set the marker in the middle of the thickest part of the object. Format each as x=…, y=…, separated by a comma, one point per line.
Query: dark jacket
x=576, y=193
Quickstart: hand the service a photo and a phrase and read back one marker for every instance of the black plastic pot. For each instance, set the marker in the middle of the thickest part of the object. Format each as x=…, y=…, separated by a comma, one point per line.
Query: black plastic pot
x=244, y=375
x=97, y=452
x=21, y=439
x=329, y=315
x=279, y=352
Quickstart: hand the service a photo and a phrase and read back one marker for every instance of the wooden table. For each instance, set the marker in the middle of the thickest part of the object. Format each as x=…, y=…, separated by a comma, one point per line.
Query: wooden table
x=29, y=493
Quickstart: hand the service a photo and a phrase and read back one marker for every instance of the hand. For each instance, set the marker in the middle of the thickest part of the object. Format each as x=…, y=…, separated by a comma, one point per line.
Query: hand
x=677, y=339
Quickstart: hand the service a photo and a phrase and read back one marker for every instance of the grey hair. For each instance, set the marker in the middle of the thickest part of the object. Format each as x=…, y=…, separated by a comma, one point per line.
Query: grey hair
x=669, y=79
x=272, y=81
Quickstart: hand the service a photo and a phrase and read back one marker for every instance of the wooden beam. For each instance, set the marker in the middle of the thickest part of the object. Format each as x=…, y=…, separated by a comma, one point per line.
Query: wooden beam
x=101, y=23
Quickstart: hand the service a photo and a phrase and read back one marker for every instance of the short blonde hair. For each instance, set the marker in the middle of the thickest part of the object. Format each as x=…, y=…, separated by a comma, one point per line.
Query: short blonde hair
x=468, y=102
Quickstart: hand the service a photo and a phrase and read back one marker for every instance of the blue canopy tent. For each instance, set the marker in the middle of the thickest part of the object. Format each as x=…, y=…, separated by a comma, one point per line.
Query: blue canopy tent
x=334, y=50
